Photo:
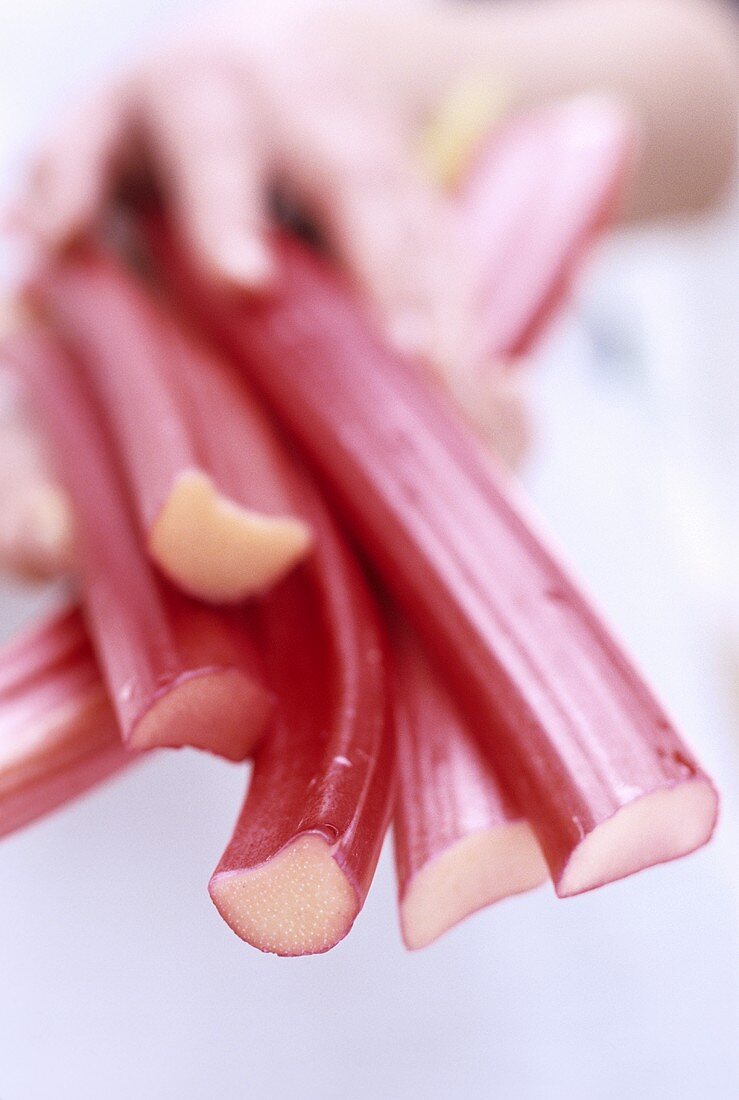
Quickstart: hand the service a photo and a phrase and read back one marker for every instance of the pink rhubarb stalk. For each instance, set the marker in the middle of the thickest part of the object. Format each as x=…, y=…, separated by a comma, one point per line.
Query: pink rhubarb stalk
x=590, y=756
x=299, y=865
x=219, y=539
x=460, y=841
x=58, y=733
x=538, y=194
x=177, y=672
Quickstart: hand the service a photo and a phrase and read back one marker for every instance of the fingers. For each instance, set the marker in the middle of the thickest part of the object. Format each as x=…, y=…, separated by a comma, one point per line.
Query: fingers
x=71, y=178
x=397, y=234
x=197, y=123
x=36, y=528
x=208, y=148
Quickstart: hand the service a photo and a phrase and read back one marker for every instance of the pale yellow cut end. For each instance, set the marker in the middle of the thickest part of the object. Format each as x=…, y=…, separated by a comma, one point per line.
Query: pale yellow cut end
x=653, y=829
x=218, y=551
x=298, y=903
x=479, y=870
x=464, y=119
x=224, y=712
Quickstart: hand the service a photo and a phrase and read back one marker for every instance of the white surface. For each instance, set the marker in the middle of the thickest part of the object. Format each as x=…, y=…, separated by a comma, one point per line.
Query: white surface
x=117, y=978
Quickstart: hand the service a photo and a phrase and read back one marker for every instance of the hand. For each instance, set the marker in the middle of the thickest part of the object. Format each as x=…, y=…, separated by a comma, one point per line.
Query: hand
x=324, y=101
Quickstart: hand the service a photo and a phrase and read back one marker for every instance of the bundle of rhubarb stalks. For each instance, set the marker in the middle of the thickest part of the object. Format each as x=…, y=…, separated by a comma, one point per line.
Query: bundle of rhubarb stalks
x=294, y=550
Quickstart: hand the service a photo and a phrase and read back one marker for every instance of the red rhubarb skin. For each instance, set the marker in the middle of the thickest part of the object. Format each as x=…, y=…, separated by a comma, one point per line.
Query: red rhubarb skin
x=326, y=768
x=237, y=441
x=149, y=638
x=572, y=728
x=33, y=653
x=161, y=392
x=538, y=194
x=58, y=733
x=446, y=788
x=122, y=346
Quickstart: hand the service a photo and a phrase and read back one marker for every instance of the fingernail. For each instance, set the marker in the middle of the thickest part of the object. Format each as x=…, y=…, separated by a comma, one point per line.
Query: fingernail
x=245, y=263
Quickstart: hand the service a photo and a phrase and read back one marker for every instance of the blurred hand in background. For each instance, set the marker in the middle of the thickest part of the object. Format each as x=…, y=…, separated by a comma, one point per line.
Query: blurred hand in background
x=323, y=103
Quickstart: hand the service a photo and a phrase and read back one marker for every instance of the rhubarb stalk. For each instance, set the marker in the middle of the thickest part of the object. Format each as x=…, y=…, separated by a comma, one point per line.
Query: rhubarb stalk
x=218, y=540
x=460, y=841
x=590, y=756
x=539, y=191
x=301, y=859
x=177, y=672
x=58, y=733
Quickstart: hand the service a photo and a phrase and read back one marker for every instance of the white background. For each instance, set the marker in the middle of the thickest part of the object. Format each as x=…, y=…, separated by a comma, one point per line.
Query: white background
x=118, y=979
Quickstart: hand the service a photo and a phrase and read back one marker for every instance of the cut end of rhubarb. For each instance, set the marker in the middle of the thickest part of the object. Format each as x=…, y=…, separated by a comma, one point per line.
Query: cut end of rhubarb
x=654, y=828
x=218, y=551
x=221, y=711
x=476, y=871
x=297, y=903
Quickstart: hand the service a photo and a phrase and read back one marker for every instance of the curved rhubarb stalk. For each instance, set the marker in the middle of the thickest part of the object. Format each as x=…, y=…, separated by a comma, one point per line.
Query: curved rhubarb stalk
x=58, y=733
x=178, y=673
x=539, y=191
x=591, y=757
x=460, y=842
x=297, y=870
x=35, y=652
x=219, y=542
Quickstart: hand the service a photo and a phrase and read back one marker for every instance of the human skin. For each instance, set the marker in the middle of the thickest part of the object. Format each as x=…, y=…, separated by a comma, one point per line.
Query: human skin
x=325, y=100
